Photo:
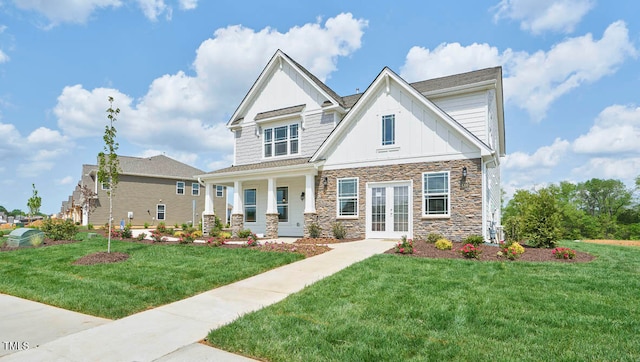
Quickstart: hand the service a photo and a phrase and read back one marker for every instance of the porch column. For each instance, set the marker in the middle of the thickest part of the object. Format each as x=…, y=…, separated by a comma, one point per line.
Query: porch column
x=237, y=214
x=271, y=216
x=209, y=215
x=310, y=215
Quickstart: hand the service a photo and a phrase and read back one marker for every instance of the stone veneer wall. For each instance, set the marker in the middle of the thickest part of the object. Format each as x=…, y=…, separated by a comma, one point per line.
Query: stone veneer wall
x=465, y=198
x=208, y=221
x=271, y=229
x=237, y=223
x=309, y=218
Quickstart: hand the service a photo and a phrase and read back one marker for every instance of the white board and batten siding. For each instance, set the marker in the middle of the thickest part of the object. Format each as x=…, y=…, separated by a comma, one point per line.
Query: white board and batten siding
x=420, y=134
x=470, y=110
x=285, y=88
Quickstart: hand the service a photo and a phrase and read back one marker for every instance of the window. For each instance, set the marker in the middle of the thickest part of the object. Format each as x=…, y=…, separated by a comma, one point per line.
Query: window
x=281, y=141
x=219, y=191
x=180, y=188
x=435, y=190
x=160, y=211
x=105, y=185
x=282, y=196
x=388, y=129
x=195, y=189
x=250, y=205
x=348, y=197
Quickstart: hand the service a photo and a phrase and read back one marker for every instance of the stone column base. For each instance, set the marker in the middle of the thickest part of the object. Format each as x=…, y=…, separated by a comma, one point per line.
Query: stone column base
x=271, y=231
x=208, y=221
x=309, y=218
x=237, y=223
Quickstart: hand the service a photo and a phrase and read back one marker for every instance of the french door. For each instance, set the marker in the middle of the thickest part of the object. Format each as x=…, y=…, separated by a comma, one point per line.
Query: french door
x=389, y=210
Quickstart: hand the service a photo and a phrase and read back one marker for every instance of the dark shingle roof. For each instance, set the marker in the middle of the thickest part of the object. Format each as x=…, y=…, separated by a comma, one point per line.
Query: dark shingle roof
x=280, y=112
x=455, y=80
x=160, y=166
x=262, y=165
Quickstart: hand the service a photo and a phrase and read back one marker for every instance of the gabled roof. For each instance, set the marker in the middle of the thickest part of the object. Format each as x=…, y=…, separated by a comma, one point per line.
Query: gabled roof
x=278, y=57
x=155, y=166
x=385, y=76
x=262, y=165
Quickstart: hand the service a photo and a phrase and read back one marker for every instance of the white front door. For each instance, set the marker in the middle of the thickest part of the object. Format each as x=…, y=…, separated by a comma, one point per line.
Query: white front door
x=389, y=210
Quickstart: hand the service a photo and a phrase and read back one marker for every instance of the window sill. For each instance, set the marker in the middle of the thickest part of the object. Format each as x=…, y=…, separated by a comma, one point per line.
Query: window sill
x=427, y=217
x=387, y=149
x=350, y=217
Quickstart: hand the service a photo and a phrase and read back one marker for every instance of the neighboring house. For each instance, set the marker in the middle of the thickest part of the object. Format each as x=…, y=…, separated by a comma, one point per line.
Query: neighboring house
x=399, y=159
x=149, y=190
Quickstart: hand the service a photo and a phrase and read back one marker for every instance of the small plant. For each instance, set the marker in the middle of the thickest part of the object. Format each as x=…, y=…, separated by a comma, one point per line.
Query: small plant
x=162, y=227
x=244, y=233
x=57, y=229
x=470, y=251
x=89, y=226
x=217, y=241
x=444, y=244
x=186, y=238
x=511, y=251
x=474, y=240
x=339, y=231
x=157, y=237
x=184, y=226
x=405, y=246
x=433, y=237
x=225, y=235
x=252, y=240
x=175, y=226
x=146, y=225
x=141, y=236
x=564, y=253
x=125, y=233
x=314, y=230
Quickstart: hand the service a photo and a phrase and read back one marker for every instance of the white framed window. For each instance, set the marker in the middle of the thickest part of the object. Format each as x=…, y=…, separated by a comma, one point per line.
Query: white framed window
x=195, y=189
x=180, y=188
x=281, y=141
x=282, y=196
x=348, y=197
x=219, y=191
x=161, y=211
x=104, y=186
x=250, y=205
x=436, y=194
x=389, y=130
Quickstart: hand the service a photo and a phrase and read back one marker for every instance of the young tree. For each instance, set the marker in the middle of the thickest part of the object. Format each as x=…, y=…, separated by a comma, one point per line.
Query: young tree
x=34, y=202
x=88, y=199
x=108, y=165
x=542, y=220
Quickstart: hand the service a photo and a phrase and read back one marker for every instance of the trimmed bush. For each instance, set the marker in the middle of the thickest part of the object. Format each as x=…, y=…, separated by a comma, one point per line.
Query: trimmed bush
x=244, y=233
x=314, y=230
x=57, y=229
x=339, y=231
x=433, y=237
x=444, y=244
x=474, y=240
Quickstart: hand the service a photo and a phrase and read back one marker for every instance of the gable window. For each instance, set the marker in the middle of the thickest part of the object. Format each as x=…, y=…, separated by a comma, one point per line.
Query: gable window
x=348, y=197
x=436, y=195
x=160, y=212
x=282, y=195
x=219, y=191
x=180, y=188
x=250, y=205
x=195, y=189
x=281, y=141
x=388, y=129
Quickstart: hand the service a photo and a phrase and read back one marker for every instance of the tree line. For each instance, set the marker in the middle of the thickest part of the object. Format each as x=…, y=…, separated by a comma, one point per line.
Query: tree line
x=593, y=209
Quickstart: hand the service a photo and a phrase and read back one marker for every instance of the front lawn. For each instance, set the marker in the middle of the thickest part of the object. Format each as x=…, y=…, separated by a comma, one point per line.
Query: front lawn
x=393, y=308
x=153, y=275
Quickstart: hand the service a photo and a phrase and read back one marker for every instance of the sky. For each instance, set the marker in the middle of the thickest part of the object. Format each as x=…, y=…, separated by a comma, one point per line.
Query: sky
x=177, y=70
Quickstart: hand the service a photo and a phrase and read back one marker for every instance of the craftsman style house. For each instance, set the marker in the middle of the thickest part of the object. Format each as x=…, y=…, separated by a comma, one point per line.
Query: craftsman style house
x=149, y=190
x=398, y=159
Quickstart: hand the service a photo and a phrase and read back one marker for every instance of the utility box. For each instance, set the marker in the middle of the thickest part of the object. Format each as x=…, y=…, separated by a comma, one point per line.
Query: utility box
x=25, y=237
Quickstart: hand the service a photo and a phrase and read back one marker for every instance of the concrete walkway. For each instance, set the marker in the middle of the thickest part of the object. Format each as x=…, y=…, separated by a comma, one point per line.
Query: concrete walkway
x=168, y=333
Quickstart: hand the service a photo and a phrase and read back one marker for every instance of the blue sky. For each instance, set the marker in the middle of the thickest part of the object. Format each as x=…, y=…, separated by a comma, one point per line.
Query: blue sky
x=178, y=69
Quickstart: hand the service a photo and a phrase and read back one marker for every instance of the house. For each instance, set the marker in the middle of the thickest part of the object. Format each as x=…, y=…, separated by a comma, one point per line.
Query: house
x=149, y=190
x=398, y=159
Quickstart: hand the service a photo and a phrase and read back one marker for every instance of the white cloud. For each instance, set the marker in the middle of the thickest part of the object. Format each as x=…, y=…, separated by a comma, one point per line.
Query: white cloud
x=67, y=180
x=544, y=157
x=616, y=130
x=188, y=4
x=152, y=8
x=532, y=81
x=537, y=16
x=624, y=169
x=66, y=11
x=187, y=114
x=3, y=57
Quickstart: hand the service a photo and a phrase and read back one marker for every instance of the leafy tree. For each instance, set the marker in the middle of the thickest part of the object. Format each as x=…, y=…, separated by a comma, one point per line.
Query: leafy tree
x=34, y=202
x=604, y=200
x=16, y=213
x=2, y=209
x=88, y=199
x=513, y=215
x=542, y=220
x=108, y=165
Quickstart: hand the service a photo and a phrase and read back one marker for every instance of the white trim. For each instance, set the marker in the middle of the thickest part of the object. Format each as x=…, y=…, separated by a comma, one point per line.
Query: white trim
x=338, y=216
x=401, y=161
x=221, y=190
x=424, y=215
x=287, y=126
x=184, y=186
x=195, y=189
x=388, y=196
x=164, y=212
x=244, y=205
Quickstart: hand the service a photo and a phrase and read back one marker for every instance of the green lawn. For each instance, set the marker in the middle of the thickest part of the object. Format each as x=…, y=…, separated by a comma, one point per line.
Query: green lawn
x=392, y=308
x=153, y=275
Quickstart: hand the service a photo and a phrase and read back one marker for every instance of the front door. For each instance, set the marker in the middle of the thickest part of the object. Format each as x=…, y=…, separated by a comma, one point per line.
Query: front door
x=389, y=211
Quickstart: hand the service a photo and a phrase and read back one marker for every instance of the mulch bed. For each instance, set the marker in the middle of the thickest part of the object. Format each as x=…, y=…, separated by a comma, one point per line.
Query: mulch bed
x=422, y=249
x=324, y=240
x=101, y=257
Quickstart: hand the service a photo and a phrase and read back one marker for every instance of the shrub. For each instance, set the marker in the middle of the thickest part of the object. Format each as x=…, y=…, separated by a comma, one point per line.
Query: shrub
x=404, y=246
x=141, y=236
x=244, y=233
x=225, y=235
x=57, y=229
x=186, y=237
x=126, y=233
x=470, y=251
x=564, y=253
x=157, y=237
x=89, y=226
x=474, y=240
x=433, y=237
x=444, y=244
x=162, y=227
x=175, y=226
x=252, y=240
x=542, y=221
x=314, y=230
x=339, y=231
x=511, y=250
x=217, y=241
x=184, y=226
x=146, y=225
